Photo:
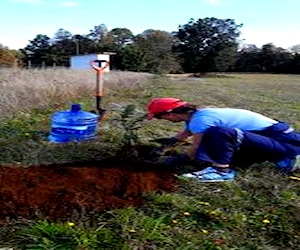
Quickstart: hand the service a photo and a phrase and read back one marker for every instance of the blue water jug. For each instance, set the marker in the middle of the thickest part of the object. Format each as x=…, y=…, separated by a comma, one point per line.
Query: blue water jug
x=73, y=125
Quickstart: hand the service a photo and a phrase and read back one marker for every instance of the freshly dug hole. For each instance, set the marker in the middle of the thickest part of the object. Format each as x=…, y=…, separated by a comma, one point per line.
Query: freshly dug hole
x=62, y=191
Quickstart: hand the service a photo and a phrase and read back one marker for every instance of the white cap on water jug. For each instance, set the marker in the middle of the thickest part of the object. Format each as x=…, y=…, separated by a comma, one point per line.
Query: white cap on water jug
x=75, y=107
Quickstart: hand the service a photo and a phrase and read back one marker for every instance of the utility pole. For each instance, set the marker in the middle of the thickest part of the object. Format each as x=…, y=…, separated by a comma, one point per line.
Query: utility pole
x=76, y=39
x=77, y=46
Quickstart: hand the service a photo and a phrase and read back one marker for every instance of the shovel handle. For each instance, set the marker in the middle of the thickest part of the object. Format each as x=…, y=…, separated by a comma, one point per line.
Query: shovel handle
x=96, y=65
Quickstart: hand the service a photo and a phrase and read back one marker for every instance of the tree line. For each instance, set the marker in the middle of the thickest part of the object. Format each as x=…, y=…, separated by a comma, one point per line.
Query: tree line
x=203, y=45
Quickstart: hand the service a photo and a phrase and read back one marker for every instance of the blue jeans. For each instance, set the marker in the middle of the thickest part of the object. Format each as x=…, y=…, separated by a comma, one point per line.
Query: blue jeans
x=222, y=145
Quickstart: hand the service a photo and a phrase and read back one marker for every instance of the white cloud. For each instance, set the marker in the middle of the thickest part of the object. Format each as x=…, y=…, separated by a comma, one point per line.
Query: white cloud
x=280, y=38
x=28, y=1
x=69, y=4
x=14, y=42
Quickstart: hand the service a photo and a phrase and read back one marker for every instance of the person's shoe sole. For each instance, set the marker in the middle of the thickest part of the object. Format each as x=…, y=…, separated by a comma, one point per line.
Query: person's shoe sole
x=194, y=177
x=199, y=180
x=198, y=176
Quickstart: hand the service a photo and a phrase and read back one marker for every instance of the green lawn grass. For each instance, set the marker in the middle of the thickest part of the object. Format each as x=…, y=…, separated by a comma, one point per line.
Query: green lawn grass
x=259, y=210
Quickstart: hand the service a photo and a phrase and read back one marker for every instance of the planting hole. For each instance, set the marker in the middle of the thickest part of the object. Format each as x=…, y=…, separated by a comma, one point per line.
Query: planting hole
x=62, y=191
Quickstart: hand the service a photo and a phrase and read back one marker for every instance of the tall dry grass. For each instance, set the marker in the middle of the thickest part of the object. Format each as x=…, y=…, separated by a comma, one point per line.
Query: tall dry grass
x=23, y=89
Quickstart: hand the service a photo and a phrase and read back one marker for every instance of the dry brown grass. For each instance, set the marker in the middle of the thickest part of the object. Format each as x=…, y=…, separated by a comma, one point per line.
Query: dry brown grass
x=22, y=89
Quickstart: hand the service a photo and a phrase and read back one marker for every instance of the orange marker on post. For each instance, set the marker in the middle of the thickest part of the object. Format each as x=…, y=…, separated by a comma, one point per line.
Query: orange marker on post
x=96, y=65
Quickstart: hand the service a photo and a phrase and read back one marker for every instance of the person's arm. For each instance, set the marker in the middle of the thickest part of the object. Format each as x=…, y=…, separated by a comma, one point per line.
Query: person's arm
x=170, y=141
x=182, y=135
x=196, y=140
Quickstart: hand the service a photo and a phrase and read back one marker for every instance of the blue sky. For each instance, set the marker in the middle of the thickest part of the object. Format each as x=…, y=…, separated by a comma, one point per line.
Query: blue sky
x=264, y=21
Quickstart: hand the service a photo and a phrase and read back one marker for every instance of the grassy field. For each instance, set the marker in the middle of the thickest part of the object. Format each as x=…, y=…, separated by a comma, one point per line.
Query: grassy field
x=259, y=210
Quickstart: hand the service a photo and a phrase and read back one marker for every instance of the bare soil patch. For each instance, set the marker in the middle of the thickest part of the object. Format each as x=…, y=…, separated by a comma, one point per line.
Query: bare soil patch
x=62, y=191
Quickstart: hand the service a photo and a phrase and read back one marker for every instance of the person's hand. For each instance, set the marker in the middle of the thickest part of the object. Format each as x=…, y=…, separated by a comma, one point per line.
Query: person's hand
x=167, y=142
x=177, y=160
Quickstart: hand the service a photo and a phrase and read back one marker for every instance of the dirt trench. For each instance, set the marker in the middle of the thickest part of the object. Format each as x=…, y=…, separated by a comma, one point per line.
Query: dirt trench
x=66, y=190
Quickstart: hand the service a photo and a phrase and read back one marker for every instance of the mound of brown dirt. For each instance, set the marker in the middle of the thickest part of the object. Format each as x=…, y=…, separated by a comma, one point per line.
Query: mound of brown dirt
x=62, y=191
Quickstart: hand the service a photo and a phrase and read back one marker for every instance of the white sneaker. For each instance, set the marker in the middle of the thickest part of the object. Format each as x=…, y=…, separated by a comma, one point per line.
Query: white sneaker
x=296, y=164
x=289, y=165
